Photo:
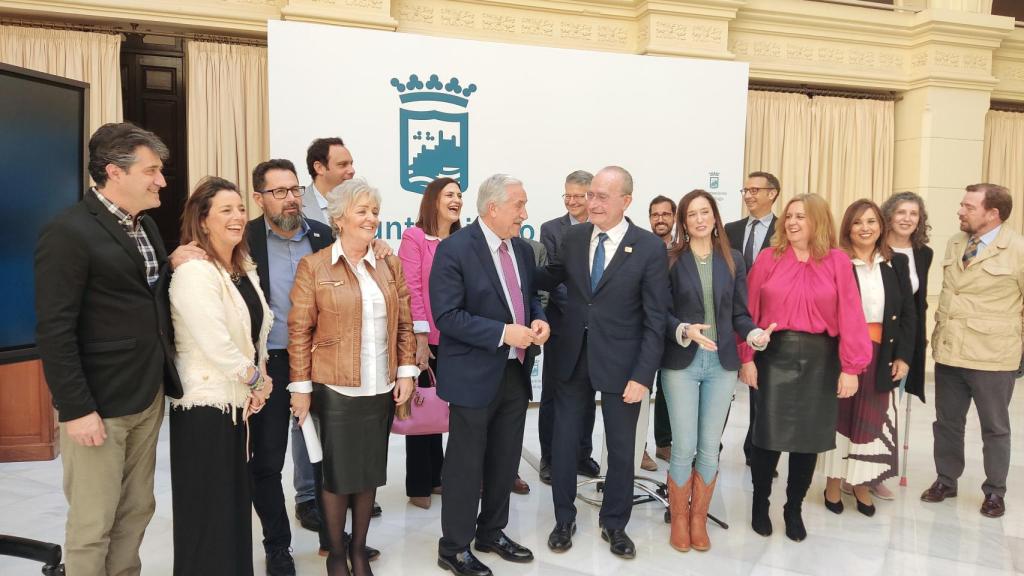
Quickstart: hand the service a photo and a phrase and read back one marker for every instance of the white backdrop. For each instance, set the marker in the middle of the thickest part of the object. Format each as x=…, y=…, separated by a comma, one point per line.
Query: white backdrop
x=536, y=113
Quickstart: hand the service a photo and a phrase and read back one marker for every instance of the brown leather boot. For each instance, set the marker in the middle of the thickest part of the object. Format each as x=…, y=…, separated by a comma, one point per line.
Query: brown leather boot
x=699, y=512
x=679, y=508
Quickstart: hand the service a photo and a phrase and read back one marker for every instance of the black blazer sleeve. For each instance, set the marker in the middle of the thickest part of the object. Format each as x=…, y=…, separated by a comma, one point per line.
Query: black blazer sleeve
x=61, y=275
x=906, y=339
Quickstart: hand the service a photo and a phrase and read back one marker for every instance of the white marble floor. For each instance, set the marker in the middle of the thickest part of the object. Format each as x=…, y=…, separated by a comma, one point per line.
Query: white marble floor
x=905, y=536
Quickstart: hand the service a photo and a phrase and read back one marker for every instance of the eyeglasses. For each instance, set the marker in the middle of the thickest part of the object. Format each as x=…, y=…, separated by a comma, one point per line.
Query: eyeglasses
x=282, y=193
x=574, y=197
x=754, y=191
x=600, y=198
x=662, y=215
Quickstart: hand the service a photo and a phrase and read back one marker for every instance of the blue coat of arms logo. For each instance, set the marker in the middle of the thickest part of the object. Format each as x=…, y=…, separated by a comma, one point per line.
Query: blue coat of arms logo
x=434, y=131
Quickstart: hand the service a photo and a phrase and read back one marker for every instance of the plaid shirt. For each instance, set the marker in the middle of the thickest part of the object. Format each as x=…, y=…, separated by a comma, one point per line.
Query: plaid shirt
x=133, y=227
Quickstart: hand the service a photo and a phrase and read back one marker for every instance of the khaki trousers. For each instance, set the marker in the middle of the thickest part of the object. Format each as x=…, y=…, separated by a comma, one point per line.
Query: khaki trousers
x=109, y=489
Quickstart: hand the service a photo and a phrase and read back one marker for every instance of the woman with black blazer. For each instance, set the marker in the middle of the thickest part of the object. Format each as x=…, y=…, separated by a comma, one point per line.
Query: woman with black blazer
x=866, y=436
x=709, y=308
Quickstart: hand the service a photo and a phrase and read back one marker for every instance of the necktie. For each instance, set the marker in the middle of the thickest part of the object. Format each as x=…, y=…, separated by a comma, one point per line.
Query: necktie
x=508, y=270
x=598, y=268
x=971, y=251
x=748, y=249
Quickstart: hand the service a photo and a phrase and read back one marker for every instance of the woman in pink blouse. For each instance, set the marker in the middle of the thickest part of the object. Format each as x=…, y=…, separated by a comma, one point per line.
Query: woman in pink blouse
x=440, y=210
x=805, y=286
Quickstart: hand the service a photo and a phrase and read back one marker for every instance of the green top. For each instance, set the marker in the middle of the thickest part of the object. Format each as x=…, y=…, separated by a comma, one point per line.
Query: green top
x=704, y=268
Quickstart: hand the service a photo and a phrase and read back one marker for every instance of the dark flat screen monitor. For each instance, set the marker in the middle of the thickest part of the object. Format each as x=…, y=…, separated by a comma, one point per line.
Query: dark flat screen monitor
x=43, y=146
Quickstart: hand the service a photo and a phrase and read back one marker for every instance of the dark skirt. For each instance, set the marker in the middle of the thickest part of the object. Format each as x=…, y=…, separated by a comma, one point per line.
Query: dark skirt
x=353, y=432
x=210, y=493
x=796, y=402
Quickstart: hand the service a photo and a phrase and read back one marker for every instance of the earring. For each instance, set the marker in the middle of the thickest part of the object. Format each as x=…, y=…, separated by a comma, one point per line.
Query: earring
x=686, y=236
x=714, y=231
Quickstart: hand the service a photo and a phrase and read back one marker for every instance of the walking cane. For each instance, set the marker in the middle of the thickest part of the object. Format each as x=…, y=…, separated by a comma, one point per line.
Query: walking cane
x=906, y=441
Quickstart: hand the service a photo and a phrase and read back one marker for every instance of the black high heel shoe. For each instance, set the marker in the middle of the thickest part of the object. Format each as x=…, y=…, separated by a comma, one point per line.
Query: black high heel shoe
x=835, y=507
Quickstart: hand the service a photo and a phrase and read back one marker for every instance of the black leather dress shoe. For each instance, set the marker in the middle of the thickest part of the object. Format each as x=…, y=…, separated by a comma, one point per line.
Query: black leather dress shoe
x=376, y=511
x=280, y=563
x=308, y=515
x=994, y=506
x=463, y=564
x=545, y=472
x=507, y=548
x=619, y=542
x=561, y=535
x=588, y=467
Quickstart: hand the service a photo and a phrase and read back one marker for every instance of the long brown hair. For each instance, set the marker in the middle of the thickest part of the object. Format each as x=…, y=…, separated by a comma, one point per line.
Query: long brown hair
x=919, y=237
x=196, y=211
x=823, y=227
x=427, y=220
x=719, y=241
x=853, y=212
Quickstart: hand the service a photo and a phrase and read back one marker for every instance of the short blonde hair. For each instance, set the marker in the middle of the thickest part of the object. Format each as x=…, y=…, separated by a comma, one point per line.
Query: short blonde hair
x=344, y=195
x=823, y=227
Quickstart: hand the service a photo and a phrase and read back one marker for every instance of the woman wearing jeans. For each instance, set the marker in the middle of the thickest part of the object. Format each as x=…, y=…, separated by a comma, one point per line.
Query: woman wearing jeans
x=709, y=307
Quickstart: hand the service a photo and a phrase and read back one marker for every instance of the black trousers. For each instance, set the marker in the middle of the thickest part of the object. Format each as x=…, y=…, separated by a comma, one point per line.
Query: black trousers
x=748, y=442
x=620, y=434
x=484, y=447
x=546, y=414
x=424, y=455
x=662, y=425
x=268, y=440
x=210, y=493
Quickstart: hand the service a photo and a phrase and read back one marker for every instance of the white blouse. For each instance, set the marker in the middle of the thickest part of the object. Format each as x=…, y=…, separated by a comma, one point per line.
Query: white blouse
x=915, y=282
x=872, y=290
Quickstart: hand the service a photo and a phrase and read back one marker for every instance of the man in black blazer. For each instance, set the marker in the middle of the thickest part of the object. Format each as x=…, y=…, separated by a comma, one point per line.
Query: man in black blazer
x=751, y=235
x=577, y=185
x=277, y=241
x=105, y=339
x=612, y=339
x=485, y=305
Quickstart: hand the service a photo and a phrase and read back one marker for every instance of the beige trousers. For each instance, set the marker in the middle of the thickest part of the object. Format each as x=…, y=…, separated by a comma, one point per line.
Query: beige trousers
x=109, y=489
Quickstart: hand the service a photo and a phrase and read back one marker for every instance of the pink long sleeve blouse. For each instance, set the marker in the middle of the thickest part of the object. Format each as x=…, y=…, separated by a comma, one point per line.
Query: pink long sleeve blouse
x=815, y=297
x=417, y=254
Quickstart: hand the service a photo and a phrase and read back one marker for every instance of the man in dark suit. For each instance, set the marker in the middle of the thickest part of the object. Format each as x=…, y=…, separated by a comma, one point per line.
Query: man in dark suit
x=613, y=333
x=577, y=185
x=277, y=241
x=485, y=305
x=105, y=339
x=750, y=235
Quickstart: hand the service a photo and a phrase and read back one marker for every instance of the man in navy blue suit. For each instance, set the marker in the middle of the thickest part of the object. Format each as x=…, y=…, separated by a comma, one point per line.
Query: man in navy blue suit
x=485, y=306
x=612, y=337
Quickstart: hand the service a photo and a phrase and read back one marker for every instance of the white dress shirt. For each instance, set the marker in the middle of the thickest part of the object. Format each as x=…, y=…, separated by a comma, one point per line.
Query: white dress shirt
x=872, y=290
x=493, y=243
x=373, y=335
x=615, y=235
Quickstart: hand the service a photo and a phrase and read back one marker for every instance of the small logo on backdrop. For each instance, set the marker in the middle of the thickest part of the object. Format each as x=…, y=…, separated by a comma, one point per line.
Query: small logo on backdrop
x=433, y=131
x=713, y=180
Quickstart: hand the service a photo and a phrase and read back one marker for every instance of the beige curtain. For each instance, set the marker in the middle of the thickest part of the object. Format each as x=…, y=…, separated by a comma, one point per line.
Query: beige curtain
x=84, y=56
x=228, y=126
x=840, y=148
x=778, y=139
x=1003, y=160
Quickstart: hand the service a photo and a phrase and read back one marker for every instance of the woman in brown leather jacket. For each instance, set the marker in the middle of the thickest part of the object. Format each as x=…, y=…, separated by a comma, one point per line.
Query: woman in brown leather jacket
x=352, y=356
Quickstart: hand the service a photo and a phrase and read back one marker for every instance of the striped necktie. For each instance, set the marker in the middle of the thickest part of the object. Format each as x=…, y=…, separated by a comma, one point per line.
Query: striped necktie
x=972, y=251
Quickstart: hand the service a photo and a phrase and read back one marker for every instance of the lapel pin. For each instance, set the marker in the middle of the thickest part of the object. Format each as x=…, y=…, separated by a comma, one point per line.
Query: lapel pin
x=628, y=249
x=316, y=234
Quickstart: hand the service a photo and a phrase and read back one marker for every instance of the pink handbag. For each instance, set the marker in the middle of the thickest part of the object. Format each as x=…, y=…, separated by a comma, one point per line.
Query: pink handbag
x=428, y=413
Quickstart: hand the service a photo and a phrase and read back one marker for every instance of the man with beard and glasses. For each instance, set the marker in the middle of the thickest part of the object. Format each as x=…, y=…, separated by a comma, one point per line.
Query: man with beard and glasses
x=277, y=241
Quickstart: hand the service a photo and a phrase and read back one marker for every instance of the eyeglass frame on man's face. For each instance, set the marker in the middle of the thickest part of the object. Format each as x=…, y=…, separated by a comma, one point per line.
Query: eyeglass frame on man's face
x=576, y=197
x=753, y=191
x=297, y=191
